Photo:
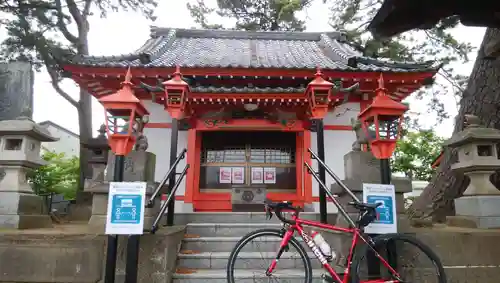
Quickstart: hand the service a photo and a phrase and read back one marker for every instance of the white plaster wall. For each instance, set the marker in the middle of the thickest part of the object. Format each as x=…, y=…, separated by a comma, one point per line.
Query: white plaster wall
x=67, y=143
x=343, y=114
x=158, y=114
x=337, y=143
x=159, y=143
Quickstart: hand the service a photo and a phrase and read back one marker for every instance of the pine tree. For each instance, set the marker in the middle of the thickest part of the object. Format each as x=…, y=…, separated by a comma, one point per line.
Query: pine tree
x=252, y=15
x=40, y=31
x=480, y=98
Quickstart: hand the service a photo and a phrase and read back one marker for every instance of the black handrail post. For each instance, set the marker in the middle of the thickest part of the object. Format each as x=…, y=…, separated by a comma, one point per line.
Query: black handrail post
x=174, y=133
x=170, y=198
x=112, y=246
x=320, y=143
x=373, y=261
x=131, y=265
x=155, y=193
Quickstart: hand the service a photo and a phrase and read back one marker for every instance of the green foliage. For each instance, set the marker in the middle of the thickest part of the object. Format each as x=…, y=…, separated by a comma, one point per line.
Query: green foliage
x=438, y=43
x=252, y=15
x=59, y=176
x=415, y=153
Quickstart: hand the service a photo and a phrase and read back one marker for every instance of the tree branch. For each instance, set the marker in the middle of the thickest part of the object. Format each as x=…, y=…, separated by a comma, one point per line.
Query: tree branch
x=57, y=87
x=86, y=8
x=75, y=13
x=47, y=59
x=62, y=26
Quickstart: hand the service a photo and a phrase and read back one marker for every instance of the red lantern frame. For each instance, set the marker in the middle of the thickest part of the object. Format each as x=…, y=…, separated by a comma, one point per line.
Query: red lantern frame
x=176, y=93
x=318, y=93
x=126, y=106
x=383, y=111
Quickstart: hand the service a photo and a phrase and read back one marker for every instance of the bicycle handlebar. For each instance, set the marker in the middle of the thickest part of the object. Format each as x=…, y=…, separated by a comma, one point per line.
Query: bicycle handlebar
x=278, y=207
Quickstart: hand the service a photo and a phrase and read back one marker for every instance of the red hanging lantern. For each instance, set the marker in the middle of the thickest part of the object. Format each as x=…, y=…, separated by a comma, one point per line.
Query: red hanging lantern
x=382, y=121
x=176, y=93
x=124, y=114
x=318, y=93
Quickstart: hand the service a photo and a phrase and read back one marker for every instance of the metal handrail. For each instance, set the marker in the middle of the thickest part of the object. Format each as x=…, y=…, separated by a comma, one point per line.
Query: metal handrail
x=164, y=206
x=151, y=200
x=330, y=195
x=334, y=176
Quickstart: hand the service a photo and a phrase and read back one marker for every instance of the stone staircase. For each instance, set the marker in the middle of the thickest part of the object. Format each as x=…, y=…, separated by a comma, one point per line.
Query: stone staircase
x=210, y=238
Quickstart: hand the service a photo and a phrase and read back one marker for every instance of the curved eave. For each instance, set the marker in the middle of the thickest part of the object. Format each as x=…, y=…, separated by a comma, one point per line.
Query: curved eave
x=356, y=64
x=395, y=17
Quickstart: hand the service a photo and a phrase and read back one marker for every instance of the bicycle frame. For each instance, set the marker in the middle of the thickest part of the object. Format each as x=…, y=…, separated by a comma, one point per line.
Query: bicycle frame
x=357, y=235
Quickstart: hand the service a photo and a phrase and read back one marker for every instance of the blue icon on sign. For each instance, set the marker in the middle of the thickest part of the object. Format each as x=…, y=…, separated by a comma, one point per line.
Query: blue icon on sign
x=384, y=211
x=126, y=209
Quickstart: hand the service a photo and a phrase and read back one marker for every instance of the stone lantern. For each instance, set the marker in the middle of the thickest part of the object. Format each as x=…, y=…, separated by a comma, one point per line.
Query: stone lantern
x=20, y=144
x=478, y=159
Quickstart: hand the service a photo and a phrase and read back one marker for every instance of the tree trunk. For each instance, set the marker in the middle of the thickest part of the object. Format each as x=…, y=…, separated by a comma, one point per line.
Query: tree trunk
x=85, y=125
x=84, y=117
x=481, y=98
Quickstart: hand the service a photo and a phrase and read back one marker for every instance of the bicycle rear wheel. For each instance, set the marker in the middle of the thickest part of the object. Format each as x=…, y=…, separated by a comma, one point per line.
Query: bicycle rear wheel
x=425, y=266
x=254, y=253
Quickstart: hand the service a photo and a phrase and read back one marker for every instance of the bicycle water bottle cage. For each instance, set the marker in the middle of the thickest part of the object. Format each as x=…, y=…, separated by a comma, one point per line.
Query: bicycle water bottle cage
x=367, y=212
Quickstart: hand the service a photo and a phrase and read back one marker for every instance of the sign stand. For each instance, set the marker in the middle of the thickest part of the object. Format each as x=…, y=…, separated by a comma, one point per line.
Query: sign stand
x=126, y=205
x=386, y=221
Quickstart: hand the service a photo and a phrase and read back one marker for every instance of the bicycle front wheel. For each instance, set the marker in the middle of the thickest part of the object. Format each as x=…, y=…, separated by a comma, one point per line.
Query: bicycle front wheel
x=253, y=254
x=413, y=260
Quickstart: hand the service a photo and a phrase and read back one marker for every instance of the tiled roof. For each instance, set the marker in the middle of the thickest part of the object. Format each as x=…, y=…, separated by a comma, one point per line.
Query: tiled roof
x=168, y=47
x=215, y=89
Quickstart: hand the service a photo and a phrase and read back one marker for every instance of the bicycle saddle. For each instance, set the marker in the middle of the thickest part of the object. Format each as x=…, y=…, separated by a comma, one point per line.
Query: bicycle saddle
x=364, y=206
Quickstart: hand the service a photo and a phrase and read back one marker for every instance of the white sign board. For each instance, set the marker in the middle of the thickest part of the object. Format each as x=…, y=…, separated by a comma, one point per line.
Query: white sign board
x=269, y=175
x=126, y=204
x=386, y=195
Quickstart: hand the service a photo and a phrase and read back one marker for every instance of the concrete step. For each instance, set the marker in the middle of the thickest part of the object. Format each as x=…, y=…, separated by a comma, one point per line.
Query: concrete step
x=246, y=276
x=227, y=244
x=245, y=260
x=240, y=217
x=234, y=229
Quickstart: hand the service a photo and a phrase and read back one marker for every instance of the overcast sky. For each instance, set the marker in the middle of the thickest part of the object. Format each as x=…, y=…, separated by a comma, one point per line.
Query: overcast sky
x=124, y=32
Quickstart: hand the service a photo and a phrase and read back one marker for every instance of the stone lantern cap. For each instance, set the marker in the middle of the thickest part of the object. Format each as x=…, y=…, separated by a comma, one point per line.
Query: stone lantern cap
x=473, y=132
x=24, y=126
x=98, y=143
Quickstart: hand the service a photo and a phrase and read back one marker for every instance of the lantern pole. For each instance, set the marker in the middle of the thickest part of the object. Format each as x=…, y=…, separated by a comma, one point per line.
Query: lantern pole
x=320, y=144
x=174, y=134
x=121, y=140
x=176, y=88
x=112, y=247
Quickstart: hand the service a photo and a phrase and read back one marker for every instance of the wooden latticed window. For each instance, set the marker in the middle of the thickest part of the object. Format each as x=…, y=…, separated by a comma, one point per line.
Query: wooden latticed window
x=278, y=155
x=224, y=155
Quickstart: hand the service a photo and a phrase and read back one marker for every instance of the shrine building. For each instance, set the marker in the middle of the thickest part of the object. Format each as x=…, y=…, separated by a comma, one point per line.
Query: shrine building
x=252, y=106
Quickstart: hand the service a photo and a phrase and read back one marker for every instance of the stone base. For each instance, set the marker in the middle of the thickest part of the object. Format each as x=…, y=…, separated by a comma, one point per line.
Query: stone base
x=483, y=222
x=76, y=254
x=25, y=221
x=14, y=203
x=23, y=211
x=478, y=206
x=80, y=212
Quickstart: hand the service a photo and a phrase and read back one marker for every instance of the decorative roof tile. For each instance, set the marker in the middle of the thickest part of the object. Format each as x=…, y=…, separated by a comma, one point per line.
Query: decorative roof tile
x=195, y=48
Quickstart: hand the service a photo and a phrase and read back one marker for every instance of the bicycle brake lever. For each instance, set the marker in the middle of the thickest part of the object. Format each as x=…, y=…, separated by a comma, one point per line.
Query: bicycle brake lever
x=269, y=214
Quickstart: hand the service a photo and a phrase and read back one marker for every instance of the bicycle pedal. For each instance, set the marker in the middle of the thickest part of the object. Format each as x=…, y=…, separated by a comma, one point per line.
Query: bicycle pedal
x=328, y=279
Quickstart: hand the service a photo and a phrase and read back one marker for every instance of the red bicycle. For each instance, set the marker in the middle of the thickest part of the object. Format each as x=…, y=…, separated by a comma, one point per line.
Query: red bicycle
x=352, y=268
